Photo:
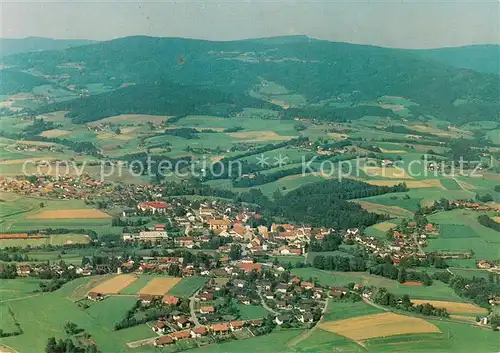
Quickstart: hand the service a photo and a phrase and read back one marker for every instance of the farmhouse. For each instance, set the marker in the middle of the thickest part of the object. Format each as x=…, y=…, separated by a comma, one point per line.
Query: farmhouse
x=207, y=309
x=163, y=341
x=236, y=325
x=153, y=235
x=220, y=328
x=160, y=326
x=170, y=300
x=180, y=335
x=95, y=296
x=154, y=206
x=199, y=331
x=219, y=224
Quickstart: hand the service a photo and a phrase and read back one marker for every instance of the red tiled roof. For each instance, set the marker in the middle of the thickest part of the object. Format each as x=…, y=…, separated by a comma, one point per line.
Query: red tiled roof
x=249, y=267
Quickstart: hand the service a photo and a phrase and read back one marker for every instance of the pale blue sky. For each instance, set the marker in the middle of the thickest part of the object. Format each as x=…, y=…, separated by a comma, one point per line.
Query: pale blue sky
x=408, y=24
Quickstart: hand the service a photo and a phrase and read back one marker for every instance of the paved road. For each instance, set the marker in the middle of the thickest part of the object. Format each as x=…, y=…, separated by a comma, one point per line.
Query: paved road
x=309, y=332
x=194, y=319
x=265, y=305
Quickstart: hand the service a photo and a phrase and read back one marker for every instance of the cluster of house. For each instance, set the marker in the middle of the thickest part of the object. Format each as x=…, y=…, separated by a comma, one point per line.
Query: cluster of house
x=62, y=187
x=219, y=328
x=35, y=270
x=403, y=243
x=25, y=147
x=469, y=205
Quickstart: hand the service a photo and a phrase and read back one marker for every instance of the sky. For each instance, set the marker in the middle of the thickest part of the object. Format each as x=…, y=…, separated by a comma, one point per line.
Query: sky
x=389, y=23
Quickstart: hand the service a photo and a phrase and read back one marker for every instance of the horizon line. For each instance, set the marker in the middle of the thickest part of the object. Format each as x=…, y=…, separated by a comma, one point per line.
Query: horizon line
x=250, y=39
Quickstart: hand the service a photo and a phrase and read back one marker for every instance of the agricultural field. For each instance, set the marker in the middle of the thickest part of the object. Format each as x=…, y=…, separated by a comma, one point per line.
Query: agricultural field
x=187, y=286
x=114, y=285
x=340, y=310
x=379, y=325
x=454, y=307
x=69, y=214
x=17, y=288
x=111, y=310
x=53, y=239
x=460, y=231
x=159, y=286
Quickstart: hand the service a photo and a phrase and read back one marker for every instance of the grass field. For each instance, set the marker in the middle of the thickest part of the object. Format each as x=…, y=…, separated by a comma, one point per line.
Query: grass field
x=437, y=291
x=187, y=286
x=69, y=214
x=339, y=310
x=251, y=312
x=111, y=310
x=321, y=341
x=54, y=239
x=393, y=211
x=460, y=231
x=276, y=342
x=378, y=325
x=7, y=323
x=17, y=288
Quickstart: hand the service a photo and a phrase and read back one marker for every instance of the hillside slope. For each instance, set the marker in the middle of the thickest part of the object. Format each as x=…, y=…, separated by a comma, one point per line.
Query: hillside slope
x=318, y=70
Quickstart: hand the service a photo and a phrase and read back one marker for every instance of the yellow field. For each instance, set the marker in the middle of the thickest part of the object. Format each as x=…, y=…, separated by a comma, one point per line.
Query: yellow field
x=412, y=184
x=114, y=285
x=384, y=226
x=70, y=214
x=393, y=151
x=382, y=209
x=464, y=318
x=259, y=136
x=453, y=307
x=55, y=133
x=159, y=286
x=337, y=136
x=132, y=118
x=389, y=172
x=378, y=325
x=496, y=219
x=21, y=161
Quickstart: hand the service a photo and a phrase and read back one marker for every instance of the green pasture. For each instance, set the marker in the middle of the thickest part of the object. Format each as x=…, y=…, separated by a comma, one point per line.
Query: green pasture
x=252, y=312
x=340, y=310
x=111, y=310
x=462, y=232
x=13, y=289
x=187, y=286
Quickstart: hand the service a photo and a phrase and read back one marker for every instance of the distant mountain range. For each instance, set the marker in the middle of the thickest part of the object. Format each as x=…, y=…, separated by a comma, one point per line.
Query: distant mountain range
x=15, y=46
x=482, y=58
x=443, y=83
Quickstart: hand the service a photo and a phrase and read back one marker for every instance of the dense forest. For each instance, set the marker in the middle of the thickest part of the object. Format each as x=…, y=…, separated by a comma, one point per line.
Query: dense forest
x=161, y=97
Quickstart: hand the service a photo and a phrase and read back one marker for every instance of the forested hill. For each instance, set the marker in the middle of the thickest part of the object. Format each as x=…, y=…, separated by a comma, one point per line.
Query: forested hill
x=159, y=97
x=318, y=70
x=481, y=58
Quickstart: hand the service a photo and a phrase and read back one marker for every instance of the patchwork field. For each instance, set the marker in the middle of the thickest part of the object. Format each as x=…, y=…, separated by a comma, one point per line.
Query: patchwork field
x=70, y=214
x=159, y=286
x=114, y=285
x=378, y=325
x=411, y=184
x=382, y=209
x=55, y=133
x=54, y=239
x=132, y=118
x=384, y=226
x=391, y=173
x=453, y=307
